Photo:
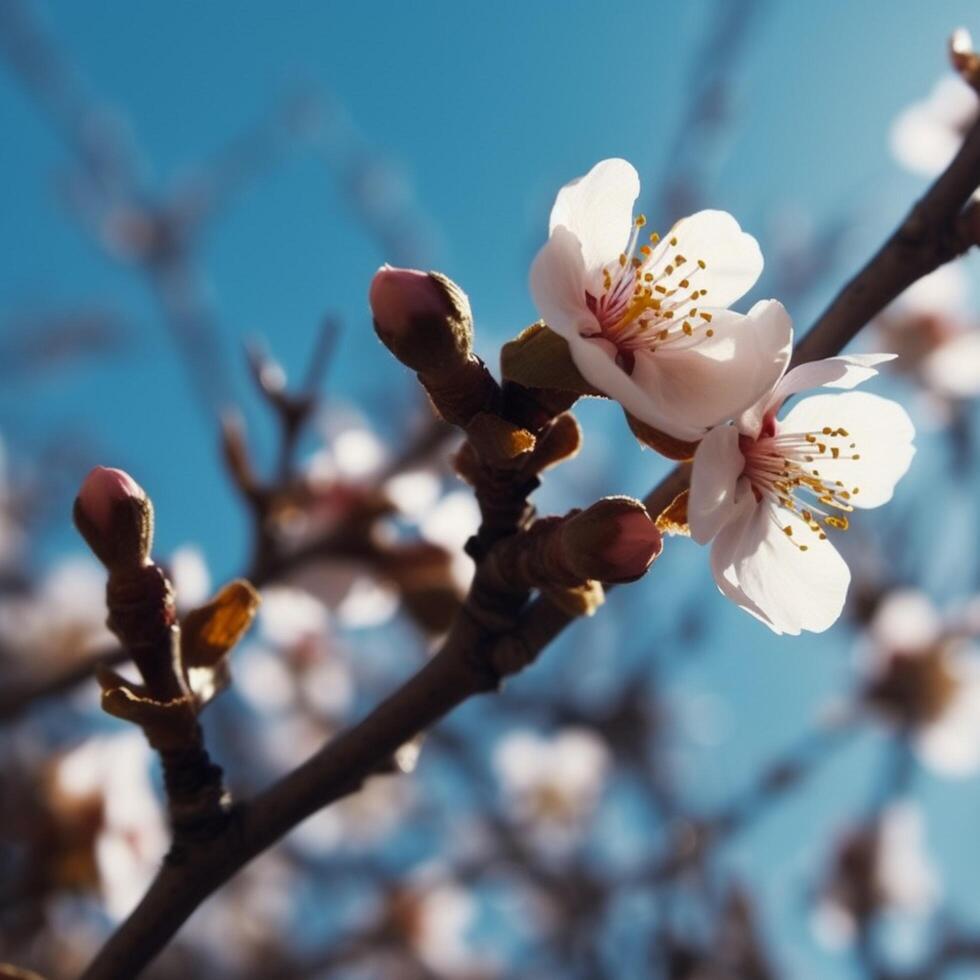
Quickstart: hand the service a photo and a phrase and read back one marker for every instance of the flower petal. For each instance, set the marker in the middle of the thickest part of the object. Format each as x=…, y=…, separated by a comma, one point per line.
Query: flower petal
x=926, y=136
x=787, y=588
x=726, y=546
x=733, y=261
x=880, y=431
x=951, y=744
x=718, y=463
x=846, y=371
x=953, y=369
x=690, y=387
x=946, y=291
x=598, y=210
x=906, y=620
x=558, y=285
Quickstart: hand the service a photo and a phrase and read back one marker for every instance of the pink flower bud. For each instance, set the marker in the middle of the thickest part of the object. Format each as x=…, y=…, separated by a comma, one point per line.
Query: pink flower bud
x=423, y=318
x=614, y=540
x=633, y=545
x=399, y=296
x=115, y=516
x=103, y=488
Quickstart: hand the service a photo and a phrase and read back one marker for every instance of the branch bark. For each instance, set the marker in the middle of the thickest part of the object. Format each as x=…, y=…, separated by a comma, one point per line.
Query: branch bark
x=472, y=660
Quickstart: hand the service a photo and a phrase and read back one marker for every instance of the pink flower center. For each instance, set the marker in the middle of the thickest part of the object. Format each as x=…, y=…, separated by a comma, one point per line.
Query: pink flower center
x=781, y=469
x=647, y=299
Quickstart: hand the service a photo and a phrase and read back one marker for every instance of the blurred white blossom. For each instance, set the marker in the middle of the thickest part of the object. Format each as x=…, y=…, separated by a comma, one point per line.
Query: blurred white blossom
x=132, y=838
x=63, y=618
x=879, y=867
x=929, y=327
x=925, y=676
x=552, y=783
x=926, y=135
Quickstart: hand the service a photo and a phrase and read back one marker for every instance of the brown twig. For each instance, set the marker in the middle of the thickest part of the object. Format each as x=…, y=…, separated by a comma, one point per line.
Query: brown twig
x=470, y=661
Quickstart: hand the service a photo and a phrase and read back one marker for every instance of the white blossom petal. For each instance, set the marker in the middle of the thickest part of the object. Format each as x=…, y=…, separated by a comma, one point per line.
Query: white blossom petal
x=688, y=388
x=950, y=746
x=717, y=466
x=725, y=548
x=953, y=369
x=846, y=371
x=880, y=430
x=944, y=291
x=732, y=258
x=904, y=872
x=558, y=285
x=598, y=210
x=906, y=620
x=794, y=589
x=926, y=136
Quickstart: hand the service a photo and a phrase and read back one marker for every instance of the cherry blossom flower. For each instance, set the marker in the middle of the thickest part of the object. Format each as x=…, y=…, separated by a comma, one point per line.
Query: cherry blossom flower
x=923, y=675
x=436, y=916
x=766, y=491
x=60, y=621
x=131, y=839
x=647, y=320
x=926, y=135
x=343, y=485
x=552, y=784
x=928, y=328
x=879, y=867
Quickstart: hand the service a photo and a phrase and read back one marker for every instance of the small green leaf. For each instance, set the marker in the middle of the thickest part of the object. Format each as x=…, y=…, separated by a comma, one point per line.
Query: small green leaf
x=540, y=358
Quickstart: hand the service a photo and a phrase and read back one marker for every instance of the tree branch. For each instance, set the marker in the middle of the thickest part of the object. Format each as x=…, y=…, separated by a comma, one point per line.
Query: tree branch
x=472, y=660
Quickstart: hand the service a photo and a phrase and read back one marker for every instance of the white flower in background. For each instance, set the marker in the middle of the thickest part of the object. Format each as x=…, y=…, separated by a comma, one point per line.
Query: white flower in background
x=436, y=915
x=289, y=617
x=646, y=320
x=190, y=577
x=450, y=522
x=303, y=665
x=927, y=327
x=63, y=619
x=337, y=478
x=882, y=867
x=343, y=477
x=926, y=136
x=132, y=838
x=925, y=677
x=765, y=491
x=552, y=783
x=952, y=370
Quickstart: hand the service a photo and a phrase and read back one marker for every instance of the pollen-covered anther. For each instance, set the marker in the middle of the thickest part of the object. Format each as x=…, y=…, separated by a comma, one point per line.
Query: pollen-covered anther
x=774, y=467
x=640, y=298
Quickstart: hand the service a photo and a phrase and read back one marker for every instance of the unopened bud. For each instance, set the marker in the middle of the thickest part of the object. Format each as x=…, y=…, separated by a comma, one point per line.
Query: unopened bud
x=615, y=540
x=423, y=318
x=114, y=515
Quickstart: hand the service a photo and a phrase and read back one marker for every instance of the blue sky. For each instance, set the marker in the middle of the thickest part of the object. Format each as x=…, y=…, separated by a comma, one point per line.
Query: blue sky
x=485, y=109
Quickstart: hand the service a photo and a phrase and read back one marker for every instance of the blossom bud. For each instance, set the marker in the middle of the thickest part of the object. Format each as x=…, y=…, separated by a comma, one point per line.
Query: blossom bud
x=423, y=318
x=114, y=515
x=615, y=540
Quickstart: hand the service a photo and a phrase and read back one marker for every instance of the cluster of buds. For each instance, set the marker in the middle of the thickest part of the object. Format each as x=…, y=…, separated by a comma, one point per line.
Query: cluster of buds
x=183, y=664
x=515, y=430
